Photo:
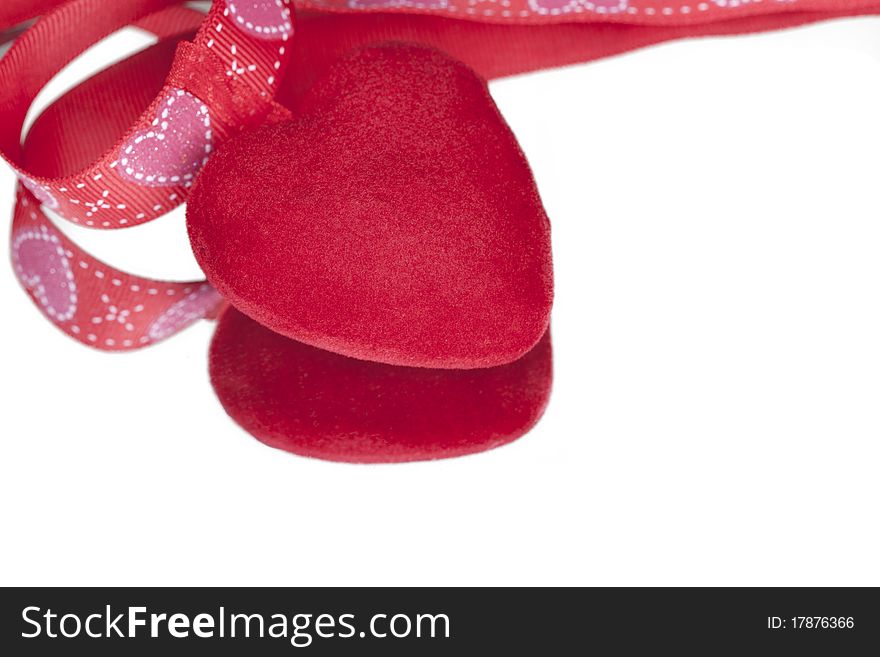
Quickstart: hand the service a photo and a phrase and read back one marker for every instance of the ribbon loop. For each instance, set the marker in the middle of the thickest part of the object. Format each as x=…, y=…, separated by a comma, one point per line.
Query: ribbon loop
x=223, y=82
x=216, y=87
x=234, y=106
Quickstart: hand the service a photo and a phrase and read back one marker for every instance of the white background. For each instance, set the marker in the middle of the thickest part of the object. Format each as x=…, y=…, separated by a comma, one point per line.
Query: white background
x=716, y=413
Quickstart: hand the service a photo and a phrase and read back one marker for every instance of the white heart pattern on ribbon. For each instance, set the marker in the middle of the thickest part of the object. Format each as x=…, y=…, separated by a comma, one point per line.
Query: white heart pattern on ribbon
x=264, y=19
x=43, y=268
x=174, y=148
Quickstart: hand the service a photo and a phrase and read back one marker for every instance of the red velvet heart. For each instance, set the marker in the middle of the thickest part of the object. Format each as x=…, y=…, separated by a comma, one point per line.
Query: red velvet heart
x=394, y=220
x=316, y=403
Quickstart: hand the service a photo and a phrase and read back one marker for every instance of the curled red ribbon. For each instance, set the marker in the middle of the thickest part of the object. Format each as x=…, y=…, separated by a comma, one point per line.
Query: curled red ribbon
x=219, y=83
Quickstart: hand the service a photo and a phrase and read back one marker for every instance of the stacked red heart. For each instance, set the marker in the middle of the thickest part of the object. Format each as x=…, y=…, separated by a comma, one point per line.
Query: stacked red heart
x=387, y=259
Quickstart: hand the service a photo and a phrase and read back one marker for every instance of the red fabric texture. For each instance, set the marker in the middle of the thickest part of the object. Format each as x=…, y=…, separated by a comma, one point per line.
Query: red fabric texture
x=95, y=304
x=314, y=403
x=554, y=12
x=495, y=50
x=524, y=12
x=225, y=74
x=13, y=12
x=87, y=121
x=222, y=82
x=394, y=220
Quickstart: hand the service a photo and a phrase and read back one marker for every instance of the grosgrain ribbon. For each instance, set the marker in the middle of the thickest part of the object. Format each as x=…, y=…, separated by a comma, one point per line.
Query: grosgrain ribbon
x=546, y=12
x=99, y=305
x=149, y=170
x=218, y=85
x=92, y=302
x=224, y=81
x=665, y=12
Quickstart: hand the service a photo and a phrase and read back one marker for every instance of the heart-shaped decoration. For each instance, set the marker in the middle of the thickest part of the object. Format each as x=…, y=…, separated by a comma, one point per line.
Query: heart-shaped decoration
x=173, y=149
x=314, y=403
x=264, y=19
x=43, y=268
x=394, y=220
